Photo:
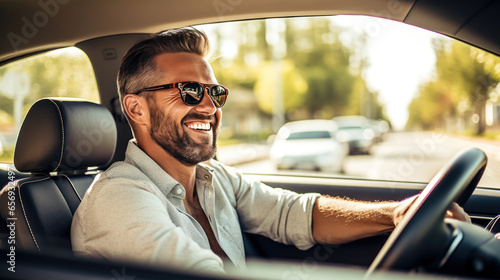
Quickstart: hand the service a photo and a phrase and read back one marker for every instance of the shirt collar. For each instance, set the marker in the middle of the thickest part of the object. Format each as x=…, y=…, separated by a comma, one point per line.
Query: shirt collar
x=204, y=172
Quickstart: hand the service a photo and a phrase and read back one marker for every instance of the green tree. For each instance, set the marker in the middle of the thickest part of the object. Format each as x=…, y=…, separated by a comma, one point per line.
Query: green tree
x=61, y=73
x=480, y=76
x=464, y=74
x=324, y=62
x=294, y=86
x=435, y=103
x=313, y=54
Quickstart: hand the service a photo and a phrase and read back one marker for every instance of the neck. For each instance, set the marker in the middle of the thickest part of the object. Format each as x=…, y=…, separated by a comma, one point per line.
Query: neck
x=185, y=175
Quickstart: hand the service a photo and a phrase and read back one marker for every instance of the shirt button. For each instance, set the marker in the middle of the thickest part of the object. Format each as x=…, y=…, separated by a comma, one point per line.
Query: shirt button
x=206, y=176
x=179, y=191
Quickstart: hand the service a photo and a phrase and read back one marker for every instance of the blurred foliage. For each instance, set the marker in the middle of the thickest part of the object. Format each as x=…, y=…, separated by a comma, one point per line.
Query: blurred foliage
x=465, y=79
x=324, y=61
x=294, y=85
x=60, y=73
x=317, y=77
x=7, y=154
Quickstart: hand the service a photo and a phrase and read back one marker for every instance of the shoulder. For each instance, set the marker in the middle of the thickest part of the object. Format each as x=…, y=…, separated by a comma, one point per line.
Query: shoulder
x=121, y=172
x=122, y=169
x=121, y=180
x=116, y=194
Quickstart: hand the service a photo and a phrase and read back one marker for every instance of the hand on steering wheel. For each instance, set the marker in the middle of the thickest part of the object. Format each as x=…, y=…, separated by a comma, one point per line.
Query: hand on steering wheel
x=454, y=212
x=422, y=235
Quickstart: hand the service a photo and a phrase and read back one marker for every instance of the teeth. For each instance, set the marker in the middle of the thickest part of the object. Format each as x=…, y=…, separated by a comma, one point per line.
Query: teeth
x=200, y=126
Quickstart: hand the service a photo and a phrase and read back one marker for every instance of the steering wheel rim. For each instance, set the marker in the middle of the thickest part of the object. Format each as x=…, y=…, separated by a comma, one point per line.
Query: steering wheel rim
x=422, y=234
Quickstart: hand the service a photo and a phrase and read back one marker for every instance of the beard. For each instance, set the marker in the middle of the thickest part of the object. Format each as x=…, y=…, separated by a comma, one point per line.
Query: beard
x=174, y=139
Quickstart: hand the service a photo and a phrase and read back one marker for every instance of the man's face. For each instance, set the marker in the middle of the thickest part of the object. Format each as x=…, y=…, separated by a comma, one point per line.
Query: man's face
x=188, y=133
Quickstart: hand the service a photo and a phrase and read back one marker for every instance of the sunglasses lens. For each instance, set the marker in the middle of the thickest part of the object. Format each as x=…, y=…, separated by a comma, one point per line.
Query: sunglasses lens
x=192, y=93
x=219, y=95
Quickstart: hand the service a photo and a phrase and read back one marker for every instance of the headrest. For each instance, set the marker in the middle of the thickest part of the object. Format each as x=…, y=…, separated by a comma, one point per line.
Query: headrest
x=65, y=135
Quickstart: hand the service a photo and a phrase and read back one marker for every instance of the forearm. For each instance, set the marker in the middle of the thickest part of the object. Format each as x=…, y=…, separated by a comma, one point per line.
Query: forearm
x=337, y=220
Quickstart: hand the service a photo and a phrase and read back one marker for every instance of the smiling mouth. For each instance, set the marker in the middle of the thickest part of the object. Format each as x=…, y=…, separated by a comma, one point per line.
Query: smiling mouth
x=202, y=126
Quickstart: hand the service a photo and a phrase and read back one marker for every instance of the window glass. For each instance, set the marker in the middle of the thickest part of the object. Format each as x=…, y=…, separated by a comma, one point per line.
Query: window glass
x=60, y=73
x=405, y=100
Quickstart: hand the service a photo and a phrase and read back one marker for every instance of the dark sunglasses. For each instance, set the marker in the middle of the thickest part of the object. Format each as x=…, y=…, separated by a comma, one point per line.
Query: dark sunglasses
x=192, y=92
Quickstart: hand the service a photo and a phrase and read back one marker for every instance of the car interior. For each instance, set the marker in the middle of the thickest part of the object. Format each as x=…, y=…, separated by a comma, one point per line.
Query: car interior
x=63, y=143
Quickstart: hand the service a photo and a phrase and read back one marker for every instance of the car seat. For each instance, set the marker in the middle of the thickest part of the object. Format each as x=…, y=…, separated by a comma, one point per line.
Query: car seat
x=62, y=143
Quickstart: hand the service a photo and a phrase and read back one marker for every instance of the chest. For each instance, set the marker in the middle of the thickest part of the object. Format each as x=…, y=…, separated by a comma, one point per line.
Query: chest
x=194, y=209
x=212, y=221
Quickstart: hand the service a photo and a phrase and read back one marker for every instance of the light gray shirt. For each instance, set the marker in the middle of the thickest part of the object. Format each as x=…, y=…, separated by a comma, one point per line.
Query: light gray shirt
x=135, y=211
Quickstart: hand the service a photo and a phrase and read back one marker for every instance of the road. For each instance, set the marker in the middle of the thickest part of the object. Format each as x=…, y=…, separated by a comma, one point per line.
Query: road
x=407, y=156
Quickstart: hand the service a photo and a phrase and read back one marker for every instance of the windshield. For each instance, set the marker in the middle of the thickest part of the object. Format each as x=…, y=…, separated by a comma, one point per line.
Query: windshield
x=406, y=100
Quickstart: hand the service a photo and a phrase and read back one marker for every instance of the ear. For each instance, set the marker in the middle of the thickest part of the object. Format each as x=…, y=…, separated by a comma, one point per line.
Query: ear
x=137, y=109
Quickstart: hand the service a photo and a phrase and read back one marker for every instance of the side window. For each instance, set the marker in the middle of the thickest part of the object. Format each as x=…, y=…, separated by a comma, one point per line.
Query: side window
x=60, y=73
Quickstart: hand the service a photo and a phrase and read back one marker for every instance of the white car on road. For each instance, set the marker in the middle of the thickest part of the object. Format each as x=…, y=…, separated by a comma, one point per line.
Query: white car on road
x=309, y=144
x=357, y=131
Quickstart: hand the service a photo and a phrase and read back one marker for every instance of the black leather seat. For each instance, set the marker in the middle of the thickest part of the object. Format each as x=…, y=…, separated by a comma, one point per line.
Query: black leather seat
x=58, y=142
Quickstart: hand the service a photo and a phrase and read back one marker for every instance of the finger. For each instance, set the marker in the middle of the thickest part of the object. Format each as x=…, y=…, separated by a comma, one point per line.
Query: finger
x=458, y=213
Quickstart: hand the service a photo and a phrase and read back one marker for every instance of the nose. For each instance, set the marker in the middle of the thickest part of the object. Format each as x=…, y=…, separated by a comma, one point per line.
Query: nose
x=206, y=105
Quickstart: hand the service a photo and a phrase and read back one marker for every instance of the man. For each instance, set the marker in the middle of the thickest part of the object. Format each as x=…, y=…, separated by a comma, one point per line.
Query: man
x=170, y=203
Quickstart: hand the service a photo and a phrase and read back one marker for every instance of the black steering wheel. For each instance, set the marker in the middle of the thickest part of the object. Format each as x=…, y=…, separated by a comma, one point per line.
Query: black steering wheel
x=422, y=238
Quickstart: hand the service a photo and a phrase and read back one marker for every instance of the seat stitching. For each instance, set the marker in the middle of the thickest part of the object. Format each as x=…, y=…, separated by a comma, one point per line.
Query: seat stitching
x=62, y=136
x=73, y=186
x=24, y=211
